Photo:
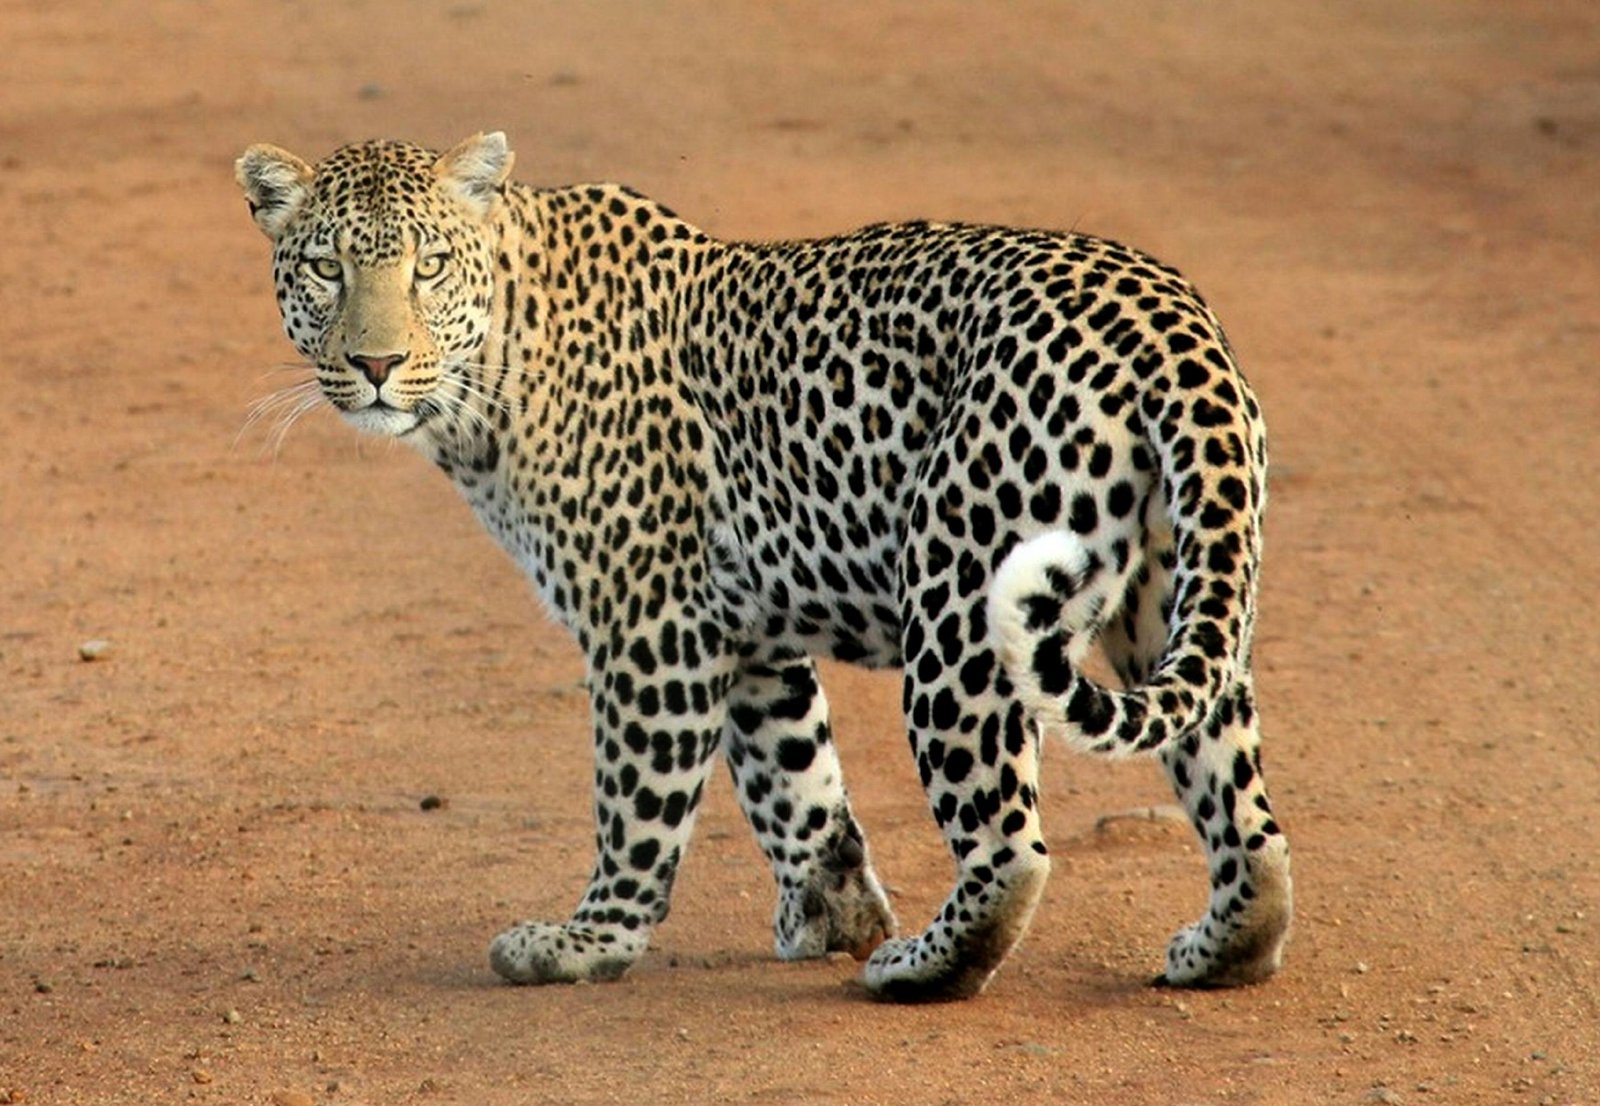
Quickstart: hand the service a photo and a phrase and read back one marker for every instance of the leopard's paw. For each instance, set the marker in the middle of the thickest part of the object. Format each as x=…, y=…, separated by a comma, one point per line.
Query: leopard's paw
x=1238, y=942
x=836, y=911
x=539, y=952
x=915, y=969
x=959, y=953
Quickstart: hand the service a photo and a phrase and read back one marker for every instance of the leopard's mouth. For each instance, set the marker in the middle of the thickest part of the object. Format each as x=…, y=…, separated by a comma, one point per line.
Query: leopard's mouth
x=382, y=419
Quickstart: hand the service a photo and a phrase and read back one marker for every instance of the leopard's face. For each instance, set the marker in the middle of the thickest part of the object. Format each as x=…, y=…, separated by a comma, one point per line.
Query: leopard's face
x=382, y=259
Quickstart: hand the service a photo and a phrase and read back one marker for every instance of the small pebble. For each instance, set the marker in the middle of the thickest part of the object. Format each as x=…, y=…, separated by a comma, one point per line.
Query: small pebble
x=94, y=650
x=432, y=802
x=232, y=1017
x=291, y=1098
x=201, y=1076
x=43, y=986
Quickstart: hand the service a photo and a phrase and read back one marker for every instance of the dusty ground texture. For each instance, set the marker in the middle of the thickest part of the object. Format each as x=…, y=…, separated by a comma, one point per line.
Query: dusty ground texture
x=217, y=883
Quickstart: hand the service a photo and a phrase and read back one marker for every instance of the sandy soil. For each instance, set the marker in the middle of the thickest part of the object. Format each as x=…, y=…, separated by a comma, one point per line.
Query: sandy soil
x=217, y=881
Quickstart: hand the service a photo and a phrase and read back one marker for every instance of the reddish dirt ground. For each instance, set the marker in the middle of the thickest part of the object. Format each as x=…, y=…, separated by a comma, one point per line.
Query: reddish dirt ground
x=217, y=883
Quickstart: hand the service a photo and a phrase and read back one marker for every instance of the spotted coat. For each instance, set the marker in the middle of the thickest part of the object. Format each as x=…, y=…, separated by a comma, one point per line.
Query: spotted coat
x=967, y=452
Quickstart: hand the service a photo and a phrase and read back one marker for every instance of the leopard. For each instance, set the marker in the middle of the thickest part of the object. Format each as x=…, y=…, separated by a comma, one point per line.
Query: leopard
x=968, y=452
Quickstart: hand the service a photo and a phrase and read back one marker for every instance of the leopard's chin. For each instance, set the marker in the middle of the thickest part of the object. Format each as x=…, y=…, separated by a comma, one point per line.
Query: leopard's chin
x=382, y=420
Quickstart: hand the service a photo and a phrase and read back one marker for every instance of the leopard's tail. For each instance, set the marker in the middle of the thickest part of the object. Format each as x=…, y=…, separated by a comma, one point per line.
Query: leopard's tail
x=1052, y=594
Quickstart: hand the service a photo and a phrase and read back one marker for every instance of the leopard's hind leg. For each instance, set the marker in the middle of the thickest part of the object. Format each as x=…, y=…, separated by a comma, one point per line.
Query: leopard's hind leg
x=1215, y=772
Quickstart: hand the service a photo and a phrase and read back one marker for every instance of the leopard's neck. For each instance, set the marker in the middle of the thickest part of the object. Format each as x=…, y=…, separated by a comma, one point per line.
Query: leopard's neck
x=583, y=393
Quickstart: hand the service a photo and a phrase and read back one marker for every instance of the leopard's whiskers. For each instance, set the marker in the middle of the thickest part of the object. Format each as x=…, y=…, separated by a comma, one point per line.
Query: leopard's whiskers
x=282, y=407
x=290, y=416
x=464, y=388
x=469, y=392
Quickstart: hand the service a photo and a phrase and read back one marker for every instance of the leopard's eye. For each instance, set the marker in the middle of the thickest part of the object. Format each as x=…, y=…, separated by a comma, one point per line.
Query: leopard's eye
x=326, y=268
x=431, y=265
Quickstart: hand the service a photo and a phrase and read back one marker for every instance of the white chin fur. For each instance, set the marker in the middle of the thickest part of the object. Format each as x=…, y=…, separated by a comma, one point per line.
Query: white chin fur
x=385, y=422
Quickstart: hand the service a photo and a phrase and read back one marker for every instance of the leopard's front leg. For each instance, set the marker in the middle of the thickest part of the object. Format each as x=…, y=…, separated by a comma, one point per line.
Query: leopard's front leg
x=787, y=776
x=659, y=706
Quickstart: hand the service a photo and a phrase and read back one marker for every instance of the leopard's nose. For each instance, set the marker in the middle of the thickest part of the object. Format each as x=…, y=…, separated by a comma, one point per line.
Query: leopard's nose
x=376, y=368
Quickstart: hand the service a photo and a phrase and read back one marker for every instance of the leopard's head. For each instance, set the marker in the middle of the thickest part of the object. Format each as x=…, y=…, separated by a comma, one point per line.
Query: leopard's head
x=383, y=262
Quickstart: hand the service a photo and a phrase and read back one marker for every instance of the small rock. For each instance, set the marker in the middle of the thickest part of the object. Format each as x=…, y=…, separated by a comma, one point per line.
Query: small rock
x=94, y=650
x=43, y=986
x=1383, y=1095
x=201, y=1076
x=232, y=1017
x=291, y=1098
x=432, y=802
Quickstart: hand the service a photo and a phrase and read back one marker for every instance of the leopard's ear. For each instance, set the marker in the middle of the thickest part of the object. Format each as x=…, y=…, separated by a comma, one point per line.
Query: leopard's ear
x=275, y=184
x=474, y=170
